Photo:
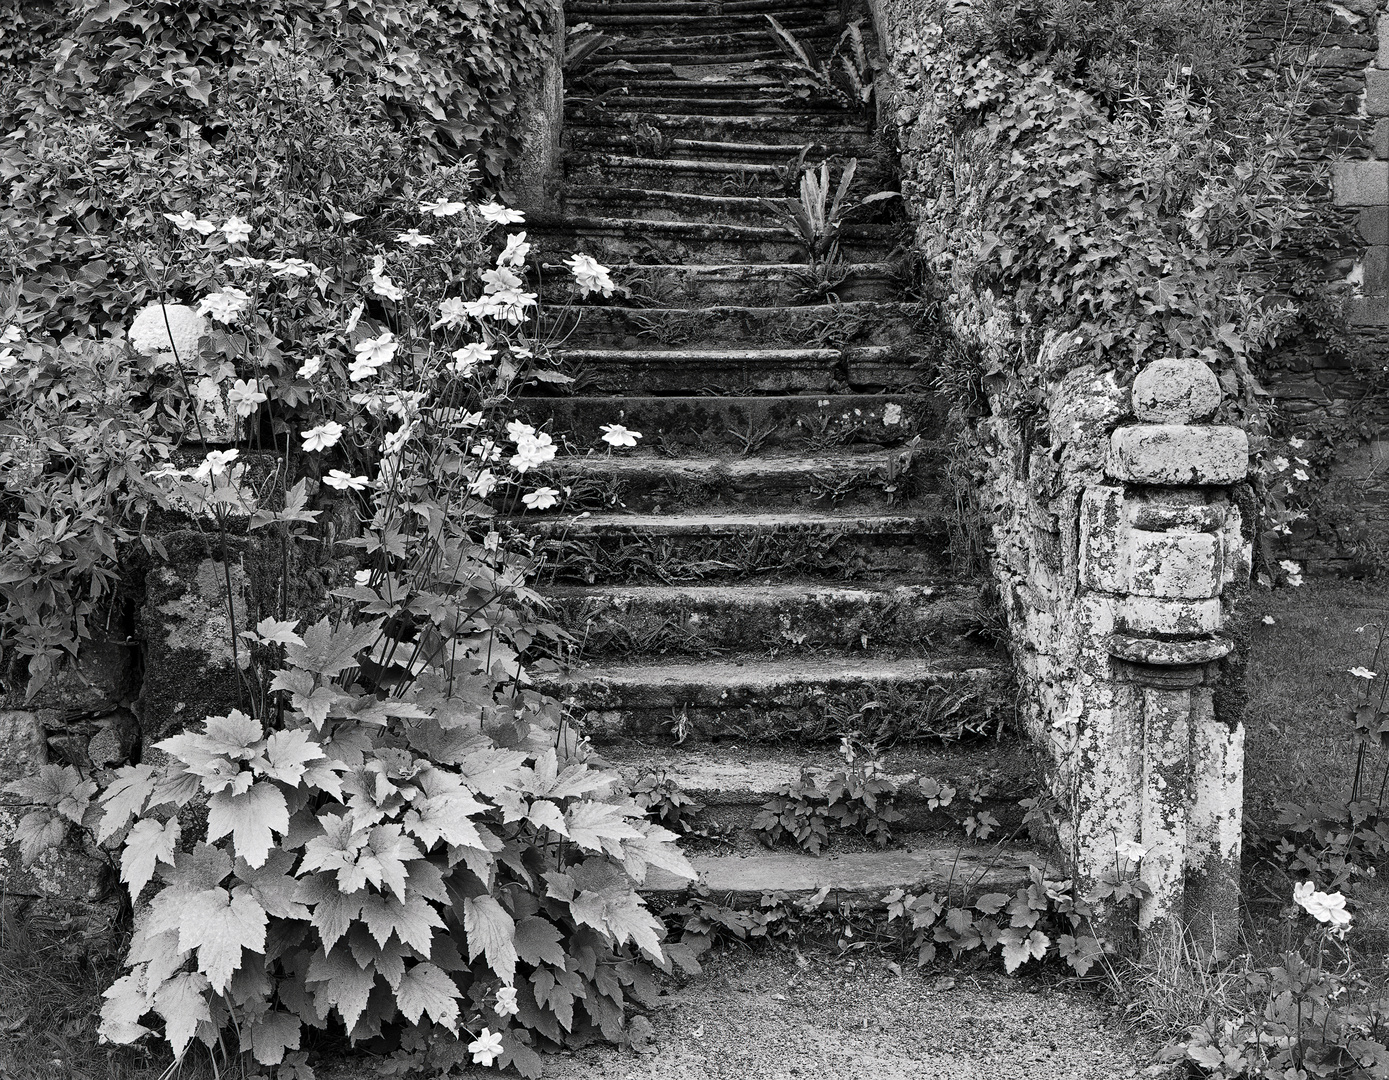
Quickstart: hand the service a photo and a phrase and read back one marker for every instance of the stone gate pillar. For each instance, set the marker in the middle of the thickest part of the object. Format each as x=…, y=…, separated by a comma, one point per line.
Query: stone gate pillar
x=1163, y=552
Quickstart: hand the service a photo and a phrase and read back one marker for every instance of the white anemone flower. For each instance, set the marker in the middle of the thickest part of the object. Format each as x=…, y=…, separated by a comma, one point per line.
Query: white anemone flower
x=617, y=436
x=590, y=275
x=469, y=356
x=342, y=481
x=236, y=230
x=322, y=436
x=414, y=238
x=541, y=498
x=224, y=306
x=497, y=214
x=245, y=396
x=516, y=250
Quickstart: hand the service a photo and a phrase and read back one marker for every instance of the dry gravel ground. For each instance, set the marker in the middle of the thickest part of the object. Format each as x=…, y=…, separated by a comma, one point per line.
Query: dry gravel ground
x=776, y=1015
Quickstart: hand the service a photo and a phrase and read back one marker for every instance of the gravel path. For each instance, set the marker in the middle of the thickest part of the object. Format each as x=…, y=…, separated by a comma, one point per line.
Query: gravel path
x=777, y=1015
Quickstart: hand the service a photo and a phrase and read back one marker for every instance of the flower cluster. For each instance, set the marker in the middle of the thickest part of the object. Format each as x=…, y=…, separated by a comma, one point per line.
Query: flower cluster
x=1327, y=908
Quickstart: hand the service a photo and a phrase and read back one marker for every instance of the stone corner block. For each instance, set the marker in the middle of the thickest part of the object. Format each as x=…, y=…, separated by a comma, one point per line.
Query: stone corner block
x=1143, y=615
x=1368, y=311
x=1102, y=564
x=1178, y=454
x=1360, y=183
x=1377, y=92
x=1175, y=565
x=1382, y=56
x=1175, y=391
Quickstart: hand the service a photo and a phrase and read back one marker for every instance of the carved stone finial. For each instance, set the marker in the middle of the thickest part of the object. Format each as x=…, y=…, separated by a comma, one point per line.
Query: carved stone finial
x=1175, y=391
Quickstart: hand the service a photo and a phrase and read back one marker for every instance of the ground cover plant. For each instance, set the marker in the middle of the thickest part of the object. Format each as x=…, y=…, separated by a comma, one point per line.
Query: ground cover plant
x=391, y=838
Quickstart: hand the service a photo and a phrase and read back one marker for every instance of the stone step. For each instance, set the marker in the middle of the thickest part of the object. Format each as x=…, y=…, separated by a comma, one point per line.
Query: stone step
x=669, y=205
x=721, y=545
x=734, y=781
x=767, y=284
x=811, y=700
x=787, y=104
x=711, y=424
x=578, y=12
x=618, y=20
x=761, y=371
x=859, y=879
x=654, y=84
x=698, y=177
x=646, y=482
x=861, y=322
x=719, y=41
x=703, y=620
x=620, y=239
x=789, y=131
x=627, y=143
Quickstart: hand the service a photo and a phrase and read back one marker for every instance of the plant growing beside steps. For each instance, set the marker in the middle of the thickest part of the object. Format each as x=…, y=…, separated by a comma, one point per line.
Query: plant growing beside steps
x=817, y=220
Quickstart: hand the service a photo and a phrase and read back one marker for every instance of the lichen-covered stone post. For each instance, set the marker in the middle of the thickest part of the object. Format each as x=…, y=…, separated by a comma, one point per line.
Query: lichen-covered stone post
x=1162, y=543
x=534, y=177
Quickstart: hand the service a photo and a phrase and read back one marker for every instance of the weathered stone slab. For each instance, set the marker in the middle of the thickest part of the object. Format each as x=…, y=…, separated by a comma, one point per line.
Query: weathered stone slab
x=1360, y=183
x=1179, y=565
x=1179, y=454
x=1175, y=391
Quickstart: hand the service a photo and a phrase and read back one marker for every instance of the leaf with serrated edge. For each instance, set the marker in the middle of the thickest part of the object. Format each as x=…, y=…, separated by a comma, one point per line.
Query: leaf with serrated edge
x=545, y=814
x=273, y=886
x=426, y=988
x=252, y=818
x=591, y=823
x=286, y=754
x=578, y=780
x=125, y=1002
x=124, y=798
x=219, y=925
x=148, y=843
x=346, y=986
x=272, y=1035
x=491, y=931
x=182, y=1002
x=329, y=652
x=538, y=941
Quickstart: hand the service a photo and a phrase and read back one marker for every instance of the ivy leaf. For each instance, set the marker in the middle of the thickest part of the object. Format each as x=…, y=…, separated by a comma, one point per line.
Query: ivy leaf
x=252, y=818
x=272, y=886
x=272, y=1035
x=546, y=815
x=538, y=942
x=329, y=652
x=427, y=988
x=285, y=755
x=218, y=925
x=148, y=843
x=412, y=920
x=58, y=787
x=1019, y=948
x=38, y=831
x=592, y=823
x=277, y=632
x=344, y=985
x=491, y=931
x=125, y=1002
x=182, y=1002
x=124, y=798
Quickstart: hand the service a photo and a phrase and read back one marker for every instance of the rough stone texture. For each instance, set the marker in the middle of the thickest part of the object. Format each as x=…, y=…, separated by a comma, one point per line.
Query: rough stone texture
x=1174, y=391
x=1360, y=183
x=534, y=179
x=1179, y=454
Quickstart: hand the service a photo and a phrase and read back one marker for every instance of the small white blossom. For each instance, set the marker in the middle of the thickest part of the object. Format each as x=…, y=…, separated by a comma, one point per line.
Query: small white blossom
x=516, y=430
x=483, y=484
x=540, y=498
x=396, y=440
x=310, y=367
x=500, y=280
x=1297, y=444
x=362, y=577
x=531, y=451
x=498, y=214
x=1278, y=464
x=295, y=268
x=442, y=208
x=1268, y=620
x=354, y=318
x=1362, y=673
x=468, y=357
x=215, y=464
x=1300, y=474
x=224, y=306
x=373, y=353
x=506, y=1001
x=342, y=481
x=453, y=312
x=615, y=435
x=322, y=437
x=1293, y=570
x=509, y=305
x=414, y=238
x=486, y=1048
x=516, y=250
x=236, y=230
x=892, y=414
x=245, y=397
x=244, y=262
x=384, y=286
x=1324, y=907
x=183, y=222
x=13, y=333
x=590, y=275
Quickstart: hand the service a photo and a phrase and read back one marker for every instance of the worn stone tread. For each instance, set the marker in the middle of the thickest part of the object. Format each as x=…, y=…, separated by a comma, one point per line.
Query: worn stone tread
x=728, y=523
x=861, y=878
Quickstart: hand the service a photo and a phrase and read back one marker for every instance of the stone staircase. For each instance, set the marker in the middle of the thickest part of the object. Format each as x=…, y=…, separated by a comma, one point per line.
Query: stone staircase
x=769, y=569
